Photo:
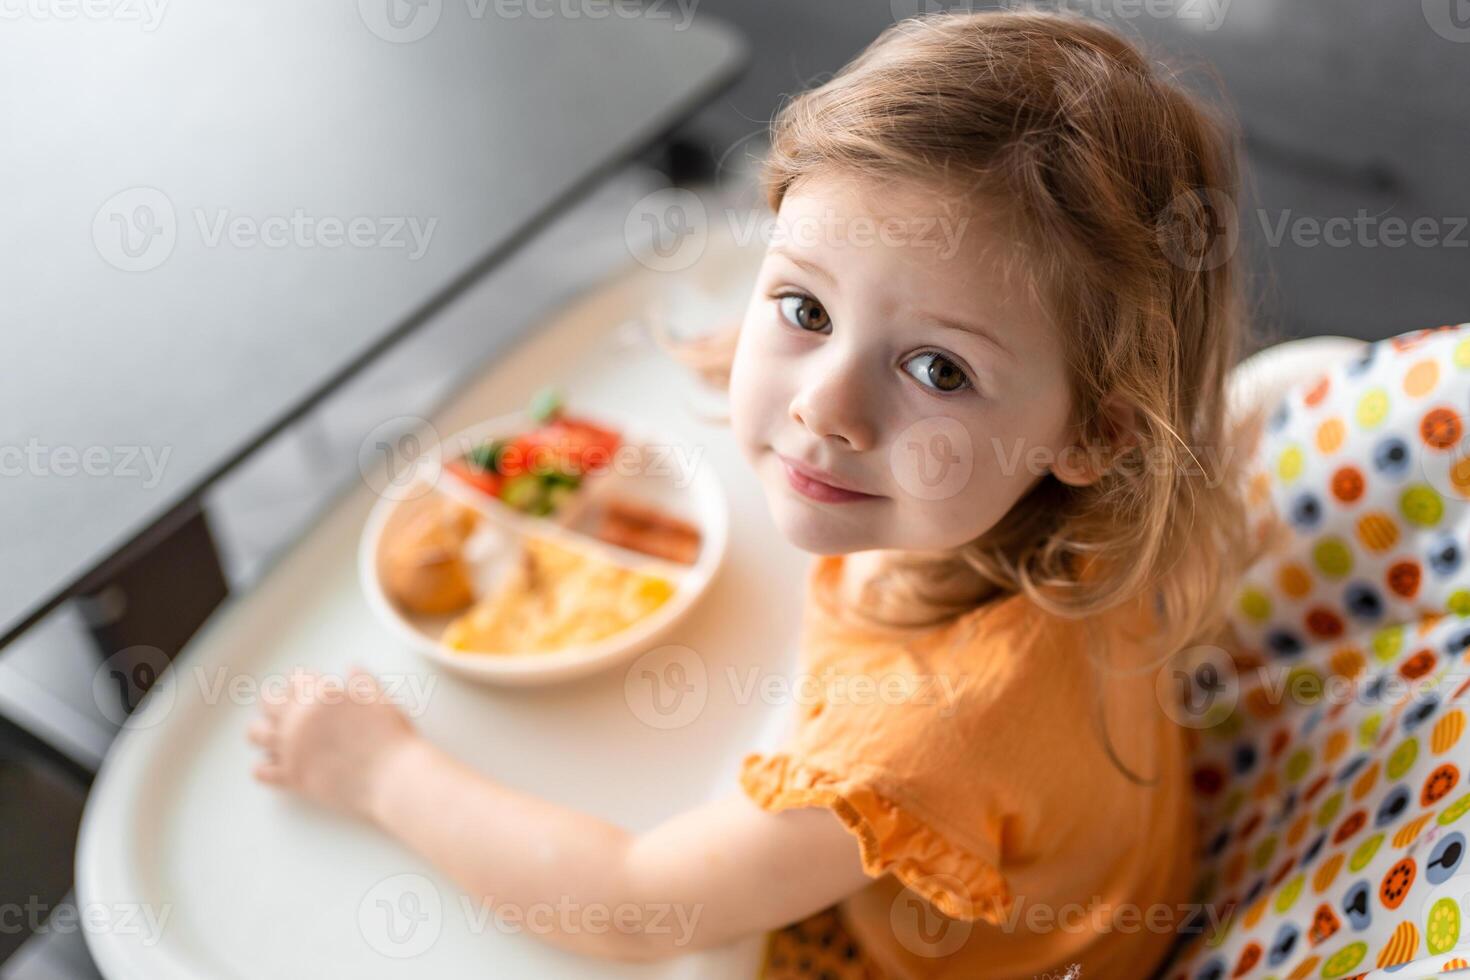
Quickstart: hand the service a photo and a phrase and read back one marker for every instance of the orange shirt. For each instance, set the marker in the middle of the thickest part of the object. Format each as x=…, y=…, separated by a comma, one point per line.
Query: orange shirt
x=967, y=762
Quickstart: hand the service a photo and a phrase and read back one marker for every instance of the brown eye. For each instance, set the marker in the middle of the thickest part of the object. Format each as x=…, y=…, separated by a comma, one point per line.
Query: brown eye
x=806, y=313
x=934, y=370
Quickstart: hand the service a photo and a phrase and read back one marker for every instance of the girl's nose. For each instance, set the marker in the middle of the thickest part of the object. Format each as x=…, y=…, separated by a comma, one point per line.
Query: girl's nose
x=832, y=406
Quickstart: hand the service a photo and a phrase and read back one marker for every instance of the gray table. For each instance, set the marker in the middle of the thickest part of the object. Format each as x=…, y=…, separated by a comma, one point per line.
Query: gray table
x=216, y=215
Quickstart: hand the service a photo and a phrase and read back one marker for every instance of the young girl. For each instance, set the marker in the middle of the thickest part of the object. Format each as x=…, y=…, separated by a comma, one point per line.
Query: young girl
x=1007, y=445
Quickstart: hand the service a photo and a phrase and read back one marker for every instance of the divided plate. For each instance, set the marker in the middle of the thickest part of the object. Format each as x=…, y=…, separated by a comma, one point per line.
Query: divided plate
x=647, y=468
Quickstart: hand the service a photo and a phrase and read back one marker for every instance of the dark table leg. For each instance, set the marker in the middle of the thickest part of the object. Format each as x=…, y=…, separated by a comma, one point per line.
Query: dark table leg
x=41, y=796
x=155, y=603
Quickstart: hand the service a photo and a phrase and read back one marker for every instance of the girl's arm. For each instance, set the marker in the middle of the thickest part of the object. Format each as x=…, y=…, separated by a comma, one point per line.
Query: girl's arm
x=705, y=877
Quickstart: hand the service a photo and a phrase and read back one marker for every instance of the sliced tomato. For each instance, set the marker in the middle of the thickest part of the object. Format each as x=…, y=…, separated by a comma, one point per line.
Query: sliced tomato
x=587, y=447
x=565, y=445
x=483, y=480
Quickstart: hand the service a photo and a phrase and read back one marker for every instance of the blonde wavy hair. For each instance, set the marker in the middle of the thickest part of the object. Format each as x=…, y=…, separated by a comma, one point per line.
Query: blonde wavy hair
x=1108, y=171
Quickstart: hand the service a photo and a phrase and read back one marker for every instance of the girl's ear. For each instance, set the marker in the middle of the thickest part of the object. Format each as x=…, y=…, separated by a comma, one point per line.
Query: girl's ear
x=1084, y=462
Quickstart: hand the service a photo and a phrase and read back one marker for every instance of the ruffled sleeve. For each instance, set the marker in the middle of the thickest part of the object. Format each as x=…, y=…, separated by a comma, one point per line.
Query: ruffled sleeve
x=891, y=837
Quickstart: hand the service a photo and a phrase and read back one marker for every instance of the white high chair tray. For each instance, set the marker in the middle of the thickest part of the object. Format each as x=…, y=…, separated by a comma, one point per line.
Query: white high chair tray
x=255, y=883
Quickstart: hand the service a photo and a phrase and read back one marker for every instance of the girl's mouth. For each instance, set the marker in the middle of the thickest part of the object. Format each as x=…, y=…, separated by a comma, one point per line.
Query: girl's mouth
x=811, y=483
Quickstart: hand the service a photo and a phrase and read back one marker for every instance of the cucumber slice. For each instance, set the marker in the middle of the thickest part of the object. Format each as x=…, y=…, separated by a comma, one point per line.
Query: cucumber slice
x=486, y=456
x=557, y=494
x=522, y=492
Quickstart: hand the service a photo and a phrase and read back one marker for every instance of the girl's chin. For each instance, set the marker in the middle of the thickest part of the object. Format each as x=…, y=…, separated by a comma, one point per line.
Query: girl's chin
x=811, y=529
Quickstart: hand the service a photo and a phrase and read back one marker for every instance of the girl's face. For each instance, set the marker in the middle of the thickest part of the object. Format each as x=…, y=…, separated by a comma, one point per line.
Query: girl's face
x=889, y=388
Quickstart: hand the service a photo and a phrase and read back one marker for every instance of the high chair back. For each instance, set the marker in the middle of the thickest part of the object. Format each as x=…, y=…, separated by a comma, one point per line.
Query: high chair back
x=1328, y=754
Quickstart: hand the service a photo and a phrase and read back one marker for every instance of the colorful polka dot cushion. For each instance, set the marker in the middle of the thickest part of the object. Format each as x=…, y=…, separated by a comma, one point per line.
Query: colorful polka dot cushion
x=1330, y=752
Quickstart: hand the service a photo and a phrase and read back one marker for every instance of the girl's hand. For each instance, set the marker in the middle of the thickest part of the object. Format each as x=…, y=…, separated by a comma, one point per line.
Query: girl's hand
x=328, y=741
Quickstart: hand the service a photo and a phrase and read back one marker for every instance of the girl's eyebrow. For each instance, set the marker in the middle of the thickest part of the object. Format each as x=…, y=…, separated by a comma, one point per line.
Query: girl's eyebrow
x=806, y=264
x=970, y=328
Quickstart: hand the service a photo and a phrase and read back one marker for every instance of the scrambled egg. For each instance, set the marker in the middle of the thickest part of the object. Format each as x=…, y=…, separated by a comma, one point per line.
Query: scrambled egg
x=554, y=598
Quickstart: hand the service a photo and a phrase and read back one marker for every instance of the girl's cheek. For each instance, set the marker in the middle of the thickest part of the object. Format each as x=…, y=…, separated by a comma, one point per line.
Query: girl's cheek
x=766, y=358
x=960, y=519
x=754, y=376
x=742, y=374
x=951, y=469
x=773, y=338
